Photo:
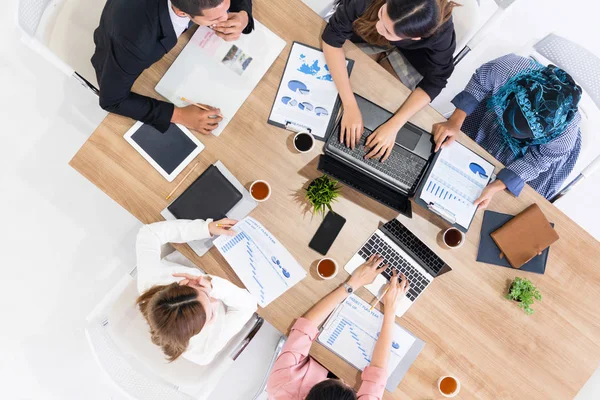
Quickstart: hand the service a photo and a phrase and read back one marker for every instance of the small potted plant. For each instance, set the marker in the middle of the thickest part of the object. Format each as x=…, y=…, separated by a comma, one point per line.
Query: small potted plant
x=523, y=292
x=321, y=192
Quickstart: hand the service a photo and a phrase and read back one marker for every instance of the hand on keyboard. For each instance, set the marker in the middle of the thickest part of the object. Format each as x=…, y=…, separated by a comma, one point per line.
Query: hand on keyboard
x=351, y=128
x=397, y=289
x=366, y=273
x=381, y=142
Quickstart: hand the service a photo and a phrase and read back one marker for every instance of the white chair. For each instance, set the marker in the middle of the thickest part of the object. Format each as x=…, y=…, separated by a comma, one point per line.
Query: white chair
x=62, y=32
x=119, y=338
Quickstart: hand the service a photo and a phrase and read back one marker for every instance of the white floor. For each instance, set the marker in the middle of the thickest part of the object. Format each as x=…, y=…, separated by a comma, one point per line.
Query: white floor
x=65, y=242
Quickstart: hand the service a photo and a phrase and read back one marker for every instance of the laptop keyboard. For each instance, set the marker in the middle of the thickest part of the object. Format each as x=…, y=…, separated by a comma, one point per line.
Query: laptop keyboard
x=402, y=165
x=414, y=245
x=375, y=245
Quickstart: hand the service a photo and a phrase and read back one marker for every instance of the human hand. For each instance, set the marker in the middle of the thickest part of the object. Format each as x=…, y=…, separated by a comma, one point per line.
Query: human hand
x=232, y=28
x=366, y=273
x=222, y=227
x=203, y=282
x=352, y=128
x=381, y=142
x=396, y=289
x=447, y=131
x=197, y=119
x=488, y=192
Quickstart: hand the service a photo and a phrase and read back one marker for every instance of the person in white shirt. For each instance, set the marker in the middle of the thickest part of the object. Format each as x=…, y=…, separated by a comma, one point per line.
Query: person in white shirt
x=190, y=314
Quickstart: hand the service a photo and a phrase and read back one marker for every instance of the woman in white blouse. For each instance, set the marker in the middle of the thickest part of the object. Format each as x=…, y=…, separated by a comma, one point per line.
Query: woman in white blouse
x=190, y=314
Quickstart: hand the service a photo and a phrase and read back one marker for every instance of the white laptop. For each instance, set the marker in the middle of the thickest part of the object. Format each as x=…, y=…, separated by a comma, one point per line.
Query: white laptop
x=403, y=251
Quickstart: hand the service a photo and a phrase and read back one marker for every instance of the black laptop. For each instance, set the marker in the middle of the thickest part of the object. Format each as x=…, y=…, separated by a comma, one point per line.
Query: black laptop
x=391, y=182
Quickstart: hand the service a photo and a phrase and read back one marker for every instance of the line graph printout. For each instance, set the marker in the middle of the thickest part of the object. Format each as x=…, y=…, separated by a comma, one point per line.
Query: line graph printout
x=266, y=268
x=456, y=181
x=352, y=331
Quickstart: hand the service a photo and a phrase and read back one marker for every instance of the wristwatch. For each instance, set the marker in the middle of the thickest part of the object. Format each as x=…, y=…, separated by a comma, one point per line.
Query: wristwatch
x=348, y=288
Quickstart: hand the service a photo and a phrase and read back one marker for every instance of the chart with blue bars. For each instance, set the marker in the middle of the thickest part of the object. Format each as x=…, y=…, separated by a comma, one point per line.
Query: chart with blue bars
x=361, y=341
x=255, y=258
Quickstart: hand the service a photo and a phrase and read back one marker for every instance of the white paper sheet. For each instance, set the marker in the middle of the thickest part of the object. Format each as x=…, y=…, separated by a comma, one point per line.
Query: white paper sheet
x=307, y=93
x=221, y=74
x=352, y=331
x=266, y=268
x=456, y=181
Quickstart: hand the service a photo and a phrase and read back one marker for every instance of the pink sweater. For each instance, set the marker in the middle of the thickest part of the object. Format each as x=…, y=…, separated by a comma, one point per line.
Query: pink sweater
x=295, y=372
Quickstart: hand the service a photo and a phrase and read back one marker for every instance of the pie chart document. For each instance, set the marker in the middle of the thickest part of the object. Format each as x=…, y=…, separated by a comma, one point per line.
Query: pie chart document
x=307, y=95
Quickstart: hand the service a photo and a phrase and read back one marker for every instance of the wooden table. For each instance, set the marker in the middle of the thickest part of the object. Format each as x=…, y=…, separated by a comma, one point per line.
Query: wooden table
x=471, y=331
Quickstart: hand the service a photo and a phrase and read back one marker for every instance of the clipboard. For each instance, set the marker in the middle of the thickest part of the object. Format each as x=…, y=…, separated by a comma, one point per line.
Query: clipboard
x=296, y=126
x=440, y=209
x=350, y=334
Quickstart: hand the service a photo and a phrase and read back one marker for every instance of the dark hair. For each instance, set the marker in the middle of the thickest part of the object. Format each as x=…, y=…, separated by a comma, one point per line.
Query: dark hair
x=331, y=389
x=174, y=315
x=195, y=7
x=412, y=19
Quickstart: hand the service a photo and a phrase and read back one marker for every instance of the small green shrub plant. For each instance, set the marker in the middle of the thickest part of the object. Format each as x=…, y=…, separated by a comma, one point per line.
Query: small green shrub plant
x=321, y=192
x=523, y=292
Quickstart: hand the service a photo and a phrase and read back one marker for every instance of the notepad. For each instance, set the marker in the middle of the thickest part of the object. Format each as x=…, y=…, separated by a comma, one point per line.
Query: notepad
x=351, y=332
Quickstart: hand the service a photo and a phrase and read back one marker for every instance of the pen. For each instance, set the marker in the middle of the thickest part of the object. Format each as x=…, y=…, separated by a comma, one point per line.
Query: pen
x=200, y=106
x=184, y=178
x=379, y=297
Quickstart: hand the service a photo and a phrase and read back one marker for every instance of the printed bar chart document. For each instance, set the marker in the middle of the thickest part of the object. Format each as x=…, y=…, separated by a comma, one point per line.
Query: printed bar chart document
x=456, y=180
x=266, y=268
x=351, y=332
x=221, y=74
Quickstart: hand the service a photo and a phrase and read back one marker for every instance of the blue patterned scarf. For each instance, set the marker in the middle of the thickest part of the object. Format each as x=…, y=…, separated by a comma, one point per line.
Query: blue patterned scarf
x=535, y=106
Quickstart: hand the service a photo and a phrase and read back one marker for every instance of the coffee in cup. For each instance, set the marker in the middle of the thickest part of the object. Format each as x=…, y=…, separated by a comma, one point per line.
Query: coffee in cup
x=260, y=190
x=453, y=238
x=327, y=268
x=304, y=142
x=448, y=386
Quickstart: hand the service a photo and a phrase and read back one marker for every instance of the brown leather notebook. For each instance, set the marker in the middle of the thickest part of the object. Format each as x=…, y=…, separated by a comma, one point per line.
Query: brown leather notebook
x=525, y=236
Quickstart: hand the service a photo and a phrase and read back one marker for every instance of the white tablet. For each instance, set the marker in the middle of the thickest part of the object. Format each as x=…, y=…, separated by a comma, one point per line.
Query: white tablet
x=170, y=152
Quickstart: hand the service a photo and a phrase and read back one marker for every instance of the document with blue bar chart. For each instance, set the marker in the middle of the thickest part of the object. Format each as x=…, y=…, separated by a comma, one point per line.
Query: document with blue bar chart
x=455, y=181
x=351, y=332
x=266, y=268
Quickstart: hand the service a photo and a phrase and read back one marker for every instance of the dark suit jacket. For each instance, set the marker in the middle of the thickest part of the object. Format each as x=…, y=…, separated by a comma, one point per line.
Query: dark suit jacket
x=133, y=35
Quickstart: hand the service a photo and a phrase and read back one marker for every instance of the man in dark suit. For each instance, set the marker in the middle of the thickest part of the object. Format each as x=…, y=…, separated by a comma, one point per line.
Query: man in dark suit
x=134, y=34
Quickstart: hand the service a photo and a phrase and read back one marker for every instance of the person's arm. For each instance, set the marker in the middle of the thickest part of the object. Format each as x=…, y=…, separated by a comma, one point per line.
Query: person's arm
x=338, y=30
x=381, y=142
x=374, y=376
x=151, y=237
x=241, y=305
x=120, y=69
x=487, y=77
x=243, y=6
x=305, y=329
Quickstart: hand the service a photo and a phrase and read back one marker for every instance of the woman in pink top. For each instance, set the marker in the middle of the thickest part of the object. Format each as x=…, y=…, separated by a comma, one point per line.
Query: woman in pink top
x=297, y=376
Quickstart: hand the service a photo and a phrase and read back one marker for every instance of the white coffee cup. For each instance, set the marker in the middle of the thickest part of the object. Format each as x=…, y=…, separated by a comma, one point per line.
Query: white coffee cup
x=268, y=186
x=312, y=138
x=456, y=391
x=334, y=272
x=458, y=232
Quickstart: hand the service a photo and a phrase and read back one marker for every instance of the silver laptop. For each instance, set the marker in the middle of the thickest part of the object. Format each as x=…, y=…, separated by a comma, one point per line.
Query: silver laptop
x=404, y=252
